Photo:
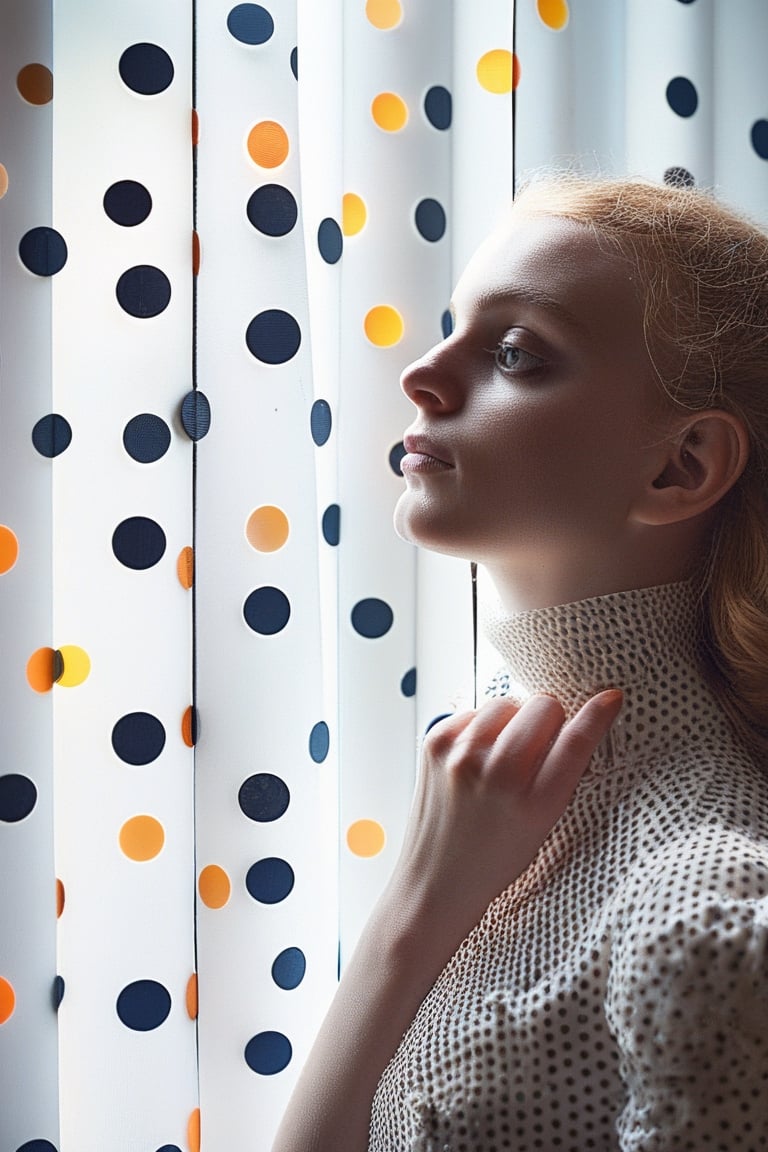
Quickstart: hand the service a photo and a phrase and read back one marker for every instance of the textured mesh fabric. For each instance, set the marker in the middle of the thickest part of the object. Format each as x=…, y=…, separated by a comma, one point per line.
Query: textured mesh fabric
x=616, y=995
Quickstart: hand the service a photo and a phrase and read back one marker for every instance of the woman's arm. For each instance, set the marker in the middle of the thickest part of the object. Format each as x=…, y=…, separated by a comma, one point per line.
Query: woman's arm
x=492, y=785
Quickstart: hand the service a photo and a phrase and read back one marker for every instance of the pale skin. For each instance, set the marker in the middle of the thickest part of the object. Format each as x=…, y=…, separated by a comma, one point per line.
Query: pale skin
x=541, y=449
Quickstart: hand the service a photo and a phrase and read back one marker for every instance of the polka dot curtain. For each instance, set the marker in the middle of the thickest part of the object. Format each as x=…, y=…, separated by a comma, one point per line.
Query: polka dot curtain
x=220, y=243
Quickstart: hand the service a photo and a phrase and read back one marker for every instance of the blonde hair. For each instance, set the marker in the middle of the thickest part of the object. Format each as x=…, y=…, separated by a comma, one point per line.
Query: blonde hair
x=704, y=272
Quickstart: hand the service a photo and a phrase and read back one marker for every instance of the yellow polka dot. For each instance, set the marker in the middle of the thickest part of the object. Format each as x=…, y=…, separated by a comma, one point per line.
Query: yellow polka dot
x=40, y=669
x=365, y=838
x=185, y=567
x=35, y=84
x=3, y=180
x=9, y=548
x=389, y=111
x=267, y=528
x=7, y=1000
x=553, y=13
x=191, y=997
x=494, y=71
x=353, y=214
x=384, y=326
x=268, y=144
x=60, y=898
x=193, y=1131
x=214, y=886
x=77, y=665
x=384, y=13
x=142, y=838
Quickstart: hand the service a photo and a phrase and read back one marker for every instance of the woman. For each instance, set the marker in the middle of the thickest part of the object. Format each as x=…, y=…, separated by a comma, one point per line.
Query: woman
x=572, y=952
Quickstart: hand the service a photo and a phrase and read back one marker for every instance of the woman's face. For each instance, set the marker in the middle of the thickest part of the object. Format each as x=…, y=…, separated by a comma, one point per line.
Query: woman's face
x=534, y=418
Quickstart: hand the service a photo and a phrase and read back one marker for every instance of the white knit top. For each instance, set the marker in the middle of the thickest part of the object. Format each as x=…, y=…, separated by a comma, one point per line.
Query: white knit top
x=616, y=995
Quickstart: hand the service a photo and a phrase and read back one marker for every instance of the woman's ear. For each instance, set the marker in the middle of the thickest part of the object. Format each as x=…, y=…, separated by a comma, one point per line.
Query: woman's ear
x=695, y=468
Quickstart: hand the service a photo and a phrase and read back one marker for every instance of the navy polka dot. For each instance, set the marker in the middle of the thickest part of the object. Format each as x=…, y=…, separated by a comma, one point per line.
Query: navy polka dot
x=759, y=138
x=270, y=880
x=57, y=993
x=272, y=210
x=146, y=69
x=436, y=720
x=138, y=738
x=43, y=251
x=289, y=968
x=446, y=324
x=678, y=177
x=396, y=454
x=331, y=524
x=267, y=610
x=138, y=543
x=196, y=414
x=330, y=241
x=408, y=683
x=372, y=618
x=169, y=1148
x=263, y=797
x=295, y=62
x=58, y=666
x=319, y=742
x=18, y=796
x=143, y=291
x=250, y=24
x=143, y=1005
x=320, y=422
x=52, y=435
x=438, y=107
x=273, y=336
x=430, y=219
x=682, y=96
x=268, y=1053
x=146, y=438
x=37, y=1146
x=127, y=203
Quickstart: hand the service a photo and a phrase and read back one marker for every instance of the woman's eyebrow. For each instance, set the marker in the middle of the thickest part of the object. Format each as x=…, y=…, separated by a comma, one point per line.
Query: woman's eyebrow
x=495, y=299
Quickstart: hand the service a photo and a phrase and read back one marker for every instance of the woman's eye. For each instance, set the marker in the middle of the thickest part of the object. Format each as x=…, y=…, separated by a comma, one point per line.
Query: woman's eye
x=511, y=358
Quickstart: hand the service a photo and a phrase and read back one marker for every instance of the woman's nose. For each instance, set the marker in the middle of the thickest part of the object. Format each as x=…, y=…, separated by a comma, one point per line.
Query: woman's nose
x=431, y=382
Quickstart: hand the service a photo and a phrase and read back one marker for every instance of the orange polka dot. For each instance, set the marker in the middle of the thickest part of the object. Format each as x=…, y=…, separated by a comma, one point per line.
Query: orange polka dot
x=41, y=669
x=142, y=838
x=185, y=567
x=214, y=886
x=553, y=13
x=3, y=180
x=494, y=71
x=195, y=254
x=384, y=326
x=35, y=84
x=268, y=144
x=353, y=214
x=60, y=898
x=75, y=666
x=384, y=13
x=267, y=528
x=191, y=996
x=9, y=548
x=365, y=838
x=187, y=734
x=7, y=1000
x=193, y=1131
x=516, y=70
x=195, y=128
x=389, y=111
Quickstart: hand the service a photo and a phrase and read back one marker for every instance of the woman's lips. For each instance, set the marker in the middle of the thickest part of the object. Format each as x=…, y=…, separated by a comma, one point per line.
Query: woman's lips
x=422, y=455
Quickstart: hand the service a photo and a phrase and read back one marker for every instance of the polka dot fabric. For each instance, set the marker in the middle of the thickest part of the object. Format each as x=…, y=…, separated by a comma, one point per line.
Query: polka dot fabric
x=614, y=996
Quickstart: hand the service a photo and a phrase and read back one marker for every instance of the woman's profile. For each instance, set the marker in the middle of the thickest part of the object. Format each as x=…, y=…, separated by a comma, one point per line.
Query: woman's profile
x=572, y=952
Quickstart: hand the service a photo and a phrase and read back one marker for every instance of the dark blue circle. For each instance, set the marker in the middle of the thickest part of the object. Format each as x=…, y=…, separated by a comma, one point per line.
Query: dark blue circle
x=408, y=683
x=43, y=251
x=138, y=543
x=52, y=435
x=438, y=107
x=127, y=203
x=686, y=1
x=272, y=209
x=146, y=438
x=268, y=1053
x=57, y=992
x=196, y=414
x=267, y=610
x=446, y=323
x=264, y=797
x=143, y=1005
x=331, y=524
x=146, y=69
x=138, y=738
x=319, y=742
x=430, y=219
x=295, y=62
x=330, y=240
x=18, y=796
x=288, y=968
x=320, y=422
x=143, y=291
x=36, y=1146
x=436, y=720
x=273, y=336
x=270, y=880
x=372, y=618
x=759, y=138
x=682, y=96
x=677, y=177
x=169, y=1148
x=250, y=24
x=396, y=453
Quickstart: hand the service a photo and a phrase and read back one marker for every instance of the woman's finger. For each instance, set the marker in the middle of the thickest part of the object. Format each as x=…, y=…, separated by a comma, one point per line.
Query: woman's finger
x=527, y=737
x=578, y=740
